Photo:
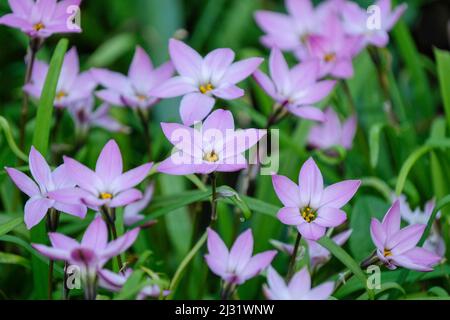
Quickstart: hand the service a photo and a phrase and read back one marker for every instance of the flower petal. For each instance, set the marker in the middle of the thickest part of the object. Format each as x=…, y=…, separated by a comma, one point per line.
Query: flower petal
x=83, y=176
x=311, y=231
x=51, y=253
x=125, y=198
x=240, y=70
x=287, y=191
x=279, y=71
x=174, y=87
x=241, y=252
x=290, y=216
x=392, y=219
x=265, y=83
x=185, y=59
x=311, y=184
x=195, y=107
x=60, y=241
x=120, y=245
x=131, y=178
x=216, y=64
x=337, y=195
x=23, y=182
x=300, y=283
x=405, y=239
x=109, y=163
x=310, y=113
x=330, y=217
x=322, y=292
x=257, y=263
x=35, y=210
x=40, y=170
x=141, y=67
x=217, y=248
x=96, y=235
x=378, y=234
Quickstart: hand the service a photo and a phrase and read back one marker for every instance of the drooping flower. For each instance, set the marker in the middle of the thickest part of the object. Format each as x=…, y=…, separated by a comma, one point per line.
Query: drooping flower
x=318, y=255
x=215, y=146
x=237, y=265
x=94, y=250
x=72, y=85
x=114, y=282
x=334, y=49
x=296, y=89
x=398, y=247
x=201, y=80
x=309, y=206
x=299, y=288
x=373, y=30
x=45, y=181
x=290, y=32
x=132, y=212
x=85, y=117
x=135, y=89
x=107, y=185
x=434, y=243
x=42, y=18
x=332, y=132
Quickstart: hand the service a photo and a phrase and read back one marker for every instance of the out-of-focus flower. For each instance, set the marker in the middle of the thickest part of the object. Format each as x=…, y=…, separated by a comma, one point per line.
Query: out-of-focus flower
x=296, y=89
x=397, y=247
x=85, y=117
x=114, y=282
x=332, y=132
x=334, y=49
x=45, y=181
x=132, y=212
x=134, y=90
x=107, y=185
x=42, y=18
x=72, y=85
x=290, y=32
x=237, y=265
x=309, y=206
x=434, y=243
x=216, y=146
x=201, y=80
x=299, y=288
x=373, y=30
x=94, y=250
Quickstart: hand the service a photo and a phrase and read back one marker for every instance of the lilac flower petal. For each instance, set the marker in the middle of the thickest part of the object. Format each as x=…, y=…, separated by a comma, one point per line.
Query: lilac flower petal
x=76, y=210
x=174, y=87
x=195, y=107
x=60, y=241
x=109, y=163
x=287, y=191
x=217, y=266
x=417, y=259
x=185, y=59
x=300, y=8
x=342, y=237
x=125, y=198
x=111, y=80
x=343, y=69
x=120, y=245
x=273, y=22
x=279, y=70
x=131, y=178
x=330, y=217
x=321, y=292
x=337, y=195
x=141, y=67
x=243, y=140
x=221, y=120
x=228, y=92
x=300, y=283
x=311, y=184
x=348, y=132
x=96, y=235
x=35, y=210
x=83, y=176
x=231, y=167
x=14, y=21
x=70, y=69
x=40, y=170
x=265, y=83
x=391, y=221
x=178, y=165
x=23, y=182
x=162, y=73
x=276, y=283
x=305, y=74
x=315, y=92
x=216, y=247
x=131, y=212
x=405, y=239
x=378, y=234
x=311, y=231
x=61, y=178
x=217, y=62
x=395, y=16
x=51, y=253
x=183, y=138
x=258, y=263
x=21, y=7
x=290, y=216
x=240, y=70
x=310, y=113
x=241, y=252
x=110, y=96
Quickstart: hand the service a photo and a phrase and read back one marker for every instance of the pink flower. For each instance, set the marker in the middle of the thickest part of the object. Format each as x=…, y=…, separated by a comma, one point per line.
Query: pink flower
x=356, y=22
x=397, y=247
x=299, y=288
x=296, y=89
x=72, y=87
x=115, y=281
x=134, y=90
x=237, y=265
x=45, y=181
x=309, y=206
x=215, y=146
x=41, y=18
x=93, y=251
x=107, y=185
x=131, y=213
x=332, y=133
x=201, y=80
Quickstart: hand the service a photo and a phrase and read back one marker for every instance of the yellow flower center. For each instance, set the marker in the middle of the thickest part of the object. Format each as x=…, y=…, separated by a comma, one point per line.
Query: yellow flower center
x=206, y=88
x=211, y=156
x=308, y=214
x=38, y=26
x=387, y=253
x=60, y=95
x=105, y=196
x=330, y=57
x=141, y=97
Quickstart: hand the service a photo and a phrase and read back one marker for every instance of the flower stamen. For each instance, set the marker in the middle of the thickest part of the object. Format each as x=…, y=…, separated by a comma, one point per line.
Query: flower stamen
x=211, y=156
x=38, y=26
x=105, y=196
x=60, y=95
x=387, y=253
x=308, y=214
x=206, y=88
x=330, y=57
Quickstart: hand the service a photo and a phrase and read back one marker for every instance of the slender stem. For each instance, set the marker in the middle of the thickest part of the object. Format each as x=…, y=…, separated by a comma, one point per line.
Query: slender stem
x=90, y=290
x=292, y=263
x=213, y=178
x=65, y=287
x=52, y=225
x=143, y=116
x=109, y=215
x=33, y=49
x=348, y=93
x=51, y=266
x=227, y=291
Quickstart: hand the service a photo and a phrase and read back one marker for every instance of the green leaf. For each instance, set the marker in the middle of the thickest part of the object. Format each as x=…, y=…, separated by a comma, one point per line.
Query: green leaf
x=41, y=142
x=9, y=258
x=111, y=50
x=384, y=287
x=132, y=286
x=4, y=125
x=374, y=143
x=347, y=260
x=229, y=193
x=443, y=68
x=10, y=225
